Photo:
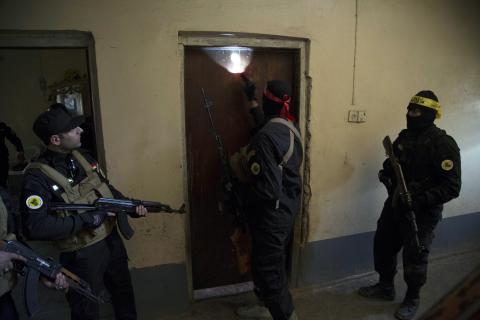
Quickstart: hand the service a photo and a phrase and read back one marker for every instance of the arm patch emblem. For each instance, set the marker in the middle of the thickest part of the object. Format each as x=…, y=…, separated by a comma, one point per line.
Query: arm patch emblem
x=447, y=165
x=255, y=168
x=34, y=202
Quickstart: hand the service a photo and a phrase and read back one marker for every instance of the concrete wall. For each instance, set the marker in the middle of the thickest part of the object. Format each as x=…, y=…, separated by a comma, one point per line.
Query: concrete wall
x=402, y=47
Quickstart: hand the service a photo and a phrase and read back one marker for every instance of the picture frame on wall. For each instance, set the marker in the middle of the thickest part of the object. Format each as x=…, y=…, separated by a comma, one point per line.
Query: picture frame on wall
x=72, y=91
x=71, y=98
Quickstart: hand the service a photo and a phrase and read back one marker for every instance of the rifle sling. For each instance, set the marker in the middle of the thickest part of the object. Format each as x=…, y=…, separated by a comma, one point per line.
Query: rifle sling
x=293, y=133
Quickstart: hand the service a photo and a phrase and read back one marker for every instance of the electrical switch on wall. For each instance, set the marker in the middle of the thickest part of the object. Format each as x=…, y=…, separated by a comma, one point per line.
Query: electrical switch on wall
x=357, y=116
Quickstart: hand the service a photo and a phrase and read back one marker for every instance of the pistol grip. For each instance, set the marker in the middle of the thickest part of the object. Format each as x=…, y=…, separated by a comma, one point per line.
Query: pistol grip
x=124, y=227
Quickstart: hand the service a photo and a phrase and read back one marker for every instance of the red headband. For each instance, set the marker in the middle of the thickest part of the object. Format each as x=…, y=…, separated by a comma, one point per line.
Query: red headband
x=285, y=112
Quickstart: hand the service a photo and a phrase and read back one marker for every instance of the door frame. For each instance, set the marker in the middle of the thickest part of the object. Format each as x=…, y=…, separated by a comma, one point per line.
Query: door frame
x=68, y=39
x=207, y=38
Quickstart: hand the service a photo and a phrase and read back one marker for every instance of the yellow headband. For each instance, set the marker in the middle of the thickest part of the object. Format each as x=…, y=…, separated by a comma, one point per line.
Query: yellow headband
x=429, y=103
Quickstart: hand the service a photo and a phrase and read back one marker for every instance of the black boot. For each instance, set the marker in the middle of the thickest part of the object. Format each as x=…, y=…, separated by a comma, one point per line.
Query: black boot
x=382, y=291
x=407, y=309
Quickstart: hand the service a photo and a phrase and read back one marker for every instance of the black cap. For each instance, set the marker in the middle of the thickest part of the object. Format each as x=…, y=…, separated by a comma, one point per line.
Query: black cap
x=54, y=121
x=278, y=88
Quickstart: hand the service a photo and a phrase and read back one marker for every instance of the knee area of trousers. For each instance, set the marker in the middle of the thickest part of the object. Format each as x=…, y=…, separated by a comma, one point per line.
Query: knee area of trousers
x=416, y=269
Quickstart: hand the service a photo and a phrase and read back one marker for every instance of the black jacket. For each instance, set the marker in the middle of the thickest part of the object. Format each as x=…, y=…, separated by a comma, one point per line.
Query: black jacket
x=431, y=164
x=274, y=193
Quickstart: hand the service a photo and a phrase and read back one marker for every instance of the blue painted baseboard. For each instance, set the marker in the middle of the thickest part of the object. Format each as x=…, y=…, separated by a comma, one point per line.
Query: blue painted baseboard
x=332, y=259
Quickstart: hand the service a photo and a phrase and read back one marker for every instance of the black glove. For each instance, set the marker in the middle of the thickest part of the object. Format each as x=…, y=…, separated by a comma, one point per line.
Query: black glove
x=250, y=88
x=93, y=219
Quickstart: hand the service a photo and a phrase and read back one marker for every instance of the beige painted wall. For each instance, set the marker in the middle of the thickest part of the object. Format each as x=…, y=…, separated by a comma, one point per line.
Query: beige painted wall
x=402, y=47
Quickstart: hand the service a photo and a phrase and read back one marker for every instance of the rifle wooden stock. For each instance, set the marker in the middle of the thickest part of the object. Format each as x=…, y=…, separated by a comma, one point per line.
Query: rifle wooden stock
x=36, y=267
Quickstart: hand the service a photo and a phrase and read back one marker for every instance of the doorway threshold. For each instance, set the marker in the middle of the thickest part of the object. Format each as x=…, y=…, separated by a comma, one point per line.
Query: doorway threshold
x=222, y=291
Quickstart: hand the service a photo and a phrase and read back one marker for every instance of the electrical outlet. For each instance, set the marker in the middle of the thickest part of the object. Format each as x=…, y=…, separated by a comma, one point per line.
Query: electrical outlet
x=362, y=116
x=353, y=116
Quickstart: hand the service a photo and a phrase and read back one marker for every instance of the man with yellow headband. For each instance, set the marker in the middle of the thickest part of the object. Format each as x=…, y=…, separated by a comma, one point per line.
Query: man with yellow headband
x=430, y=161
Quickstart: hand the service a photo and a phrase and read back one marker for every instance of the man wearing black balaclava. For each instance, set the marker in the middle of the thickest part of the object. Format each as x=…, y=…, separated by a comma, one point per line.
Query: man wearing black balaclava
x=274, y=185
x=430, y=160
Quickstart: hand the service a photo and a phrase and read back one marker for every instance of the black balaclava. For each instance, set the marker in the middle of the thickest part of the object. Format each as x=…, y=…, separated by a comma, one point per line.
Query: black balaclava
x=282, y=92
x=428, y=114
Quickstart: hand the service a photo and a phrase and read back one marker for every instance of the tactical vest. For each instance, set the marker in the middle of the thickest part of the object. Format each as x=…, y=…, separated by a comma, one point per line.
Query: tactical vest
x=9, y=279
x=85, y=192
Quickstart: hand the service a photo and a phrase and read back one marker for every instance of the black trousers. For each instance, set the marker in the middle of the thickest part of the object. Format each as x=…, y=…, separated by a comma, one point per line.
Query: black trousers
x=104, y=265
x=4, y=167
x=7, y=307
x=394, y=233
x=270, y=237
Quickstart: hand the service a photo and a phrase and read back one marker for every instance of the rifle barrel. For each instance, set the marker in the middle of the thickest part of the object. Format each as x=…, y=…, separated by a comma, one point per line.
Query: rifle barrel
x=117, y=205
x=66, y=206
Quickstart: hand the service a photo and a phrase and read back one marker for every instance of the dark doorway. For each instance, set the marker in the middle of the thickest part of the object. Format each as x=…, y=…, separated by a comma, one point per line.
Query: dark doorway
x=42, y=67
x=212, y=253
x=34, y=78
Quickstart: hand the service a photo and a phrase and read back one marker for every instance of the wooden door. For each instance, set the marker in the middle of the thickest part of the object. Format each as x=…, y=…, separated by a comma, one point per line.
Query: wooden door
x=212, y=253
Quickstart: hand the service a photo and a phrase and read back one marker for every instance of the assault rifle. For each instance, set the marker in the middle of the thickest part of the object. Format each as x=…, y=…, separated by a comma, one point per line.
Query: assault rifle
x=36, y=266
x=232, y=196
x=405, y=195
x=120, y=207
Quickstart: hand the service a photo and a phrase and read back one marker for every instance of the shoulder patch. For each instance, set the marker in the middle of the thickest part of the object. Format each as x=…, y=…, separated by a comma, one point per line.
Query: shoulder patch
x=34, y=202
x=447, y=165
x=255, y=168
